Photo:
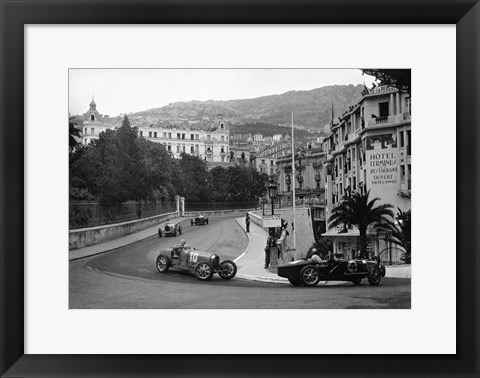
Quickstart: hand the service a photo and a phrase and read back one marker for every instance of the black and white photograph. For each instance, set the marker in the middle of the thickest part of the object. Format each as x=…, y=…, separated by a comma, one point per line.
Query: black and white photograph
x=239, y=188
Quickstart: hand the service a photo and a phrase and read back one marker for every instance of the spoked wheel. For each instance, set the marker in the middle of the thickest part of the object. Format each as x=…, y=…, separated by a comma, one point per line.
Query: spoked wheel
x=163, y=263
x=229, y=269
x=203, y=271
x=310, y=276
x=374, y=276
x=294, y=282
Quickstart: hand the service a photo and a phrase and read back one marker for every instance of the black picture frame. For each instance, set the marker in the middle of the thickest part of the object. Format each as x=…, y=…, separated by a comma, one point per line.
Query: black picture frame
x=15, y=14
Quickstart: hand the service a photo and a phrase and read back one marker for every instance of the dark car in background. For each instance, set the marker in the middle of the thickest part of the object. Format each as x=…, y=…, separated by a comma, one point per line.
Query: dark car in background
x=199, y=220
x=170, y=229
x=309, y=272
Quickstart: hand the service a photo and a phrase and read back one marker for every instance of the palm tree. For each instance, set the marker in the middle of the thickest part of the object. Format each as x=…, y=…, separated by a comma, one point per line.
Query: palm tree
x=399, y=232
x=357, y=210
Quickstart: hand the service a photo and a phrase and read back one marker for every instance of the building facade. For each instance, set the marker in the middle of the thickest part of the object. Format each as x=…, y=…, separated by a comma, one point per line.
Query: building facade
x=370, y=149
x=211, y=145
x=265, y=160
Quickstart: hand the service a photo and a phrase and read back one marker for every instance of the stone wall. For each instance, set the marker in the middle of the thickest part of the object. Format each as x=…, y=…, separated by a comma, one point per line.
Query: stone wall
x=83, y=237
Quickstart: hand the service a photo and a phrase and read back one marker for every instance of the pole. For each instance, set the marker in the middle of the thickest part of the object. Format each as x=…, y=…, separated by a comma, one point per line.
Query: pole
x=293, y=174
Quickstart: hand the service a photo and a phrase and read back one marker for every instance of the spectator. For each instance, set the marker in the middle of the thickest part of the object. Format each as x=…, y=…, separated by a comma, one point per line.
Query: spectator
x=271, y=242
x=247, y=222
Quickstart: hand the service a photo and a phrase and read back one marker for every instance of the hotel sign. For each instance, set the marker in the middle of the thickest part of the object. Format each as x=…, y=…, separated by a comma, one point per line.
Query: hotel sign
x=383, y=166
x=272, y=221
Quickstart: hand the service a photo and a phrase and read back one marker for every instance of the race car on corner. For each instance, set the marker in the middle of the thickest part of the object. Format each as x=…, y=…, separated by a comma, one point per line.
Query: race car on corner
x=170, y=229
x=199, y=220
x=202, y=264
x=309, y=272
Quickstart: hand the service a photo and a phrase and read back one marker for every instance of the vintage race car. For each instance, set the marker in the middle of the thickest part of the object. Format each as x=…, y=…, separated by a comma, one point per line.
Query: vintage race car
x=202, y=264
x=199, y=219
x=309, y=272
x=170, y=229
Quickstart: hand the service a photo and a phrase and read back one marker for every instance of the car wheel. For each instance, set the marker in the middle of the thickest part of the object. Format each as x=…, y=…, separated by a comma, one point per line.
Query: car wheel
x=294, y=282
x=159, y=233
x=163, y=263
x=179, y=230
x=203, y=271
x=310, y=276
x=357, y=281
x=374, y=276
x=229, y=269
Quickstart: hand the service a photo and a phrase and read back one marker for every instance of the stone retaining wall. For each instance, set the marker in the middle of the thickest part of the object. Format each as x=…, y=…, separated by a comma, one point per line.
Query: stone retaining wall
x=83, y=237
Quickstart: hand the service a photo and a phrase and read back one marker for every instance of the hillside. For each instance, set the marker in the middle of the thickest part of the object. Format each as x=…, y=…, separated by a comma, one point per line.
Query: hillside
x=312, y=111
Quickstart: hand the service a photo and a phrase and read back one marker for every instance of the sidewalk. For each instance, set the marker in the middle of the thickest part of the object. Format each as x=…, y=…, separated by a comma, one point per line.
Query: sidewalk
x=96, y=249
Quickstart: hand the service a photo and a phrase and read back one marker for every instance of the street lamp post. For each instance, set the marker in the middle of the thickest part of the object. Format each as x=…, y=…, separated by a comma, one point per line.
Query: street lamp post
x=272, y=193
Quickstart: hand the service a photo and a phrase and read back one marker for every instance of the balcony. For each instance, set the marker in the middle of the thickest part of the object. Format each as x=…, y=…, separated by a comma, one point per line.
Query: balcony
x=388, y=120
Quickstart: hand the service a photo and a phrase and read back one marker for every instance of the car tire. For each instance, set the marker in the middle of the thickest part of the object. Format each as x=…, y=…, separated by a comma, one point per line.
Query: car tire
x=203, y=271
x=374, y=276
x=159, y=233
x=162, y=263
x=357, y=281
x=310, y=276
x=295, y=282
x=232, y=271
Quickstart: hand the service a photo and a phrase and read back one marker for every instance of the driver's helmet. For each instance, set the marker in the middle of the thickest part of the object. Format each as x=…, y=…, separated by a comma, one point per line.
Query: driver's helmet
x=314, y=251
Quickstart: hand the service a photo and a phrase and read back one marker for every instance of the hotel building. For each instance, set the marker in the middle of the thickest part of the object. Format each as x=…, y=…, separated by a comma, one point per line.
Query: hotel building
x=370, y=149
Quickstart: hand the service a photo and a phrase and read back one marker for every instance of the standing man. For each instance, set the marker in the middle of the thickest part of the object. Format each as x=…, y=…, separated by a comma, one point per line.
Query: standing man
x=271, y=242
x=247, y=222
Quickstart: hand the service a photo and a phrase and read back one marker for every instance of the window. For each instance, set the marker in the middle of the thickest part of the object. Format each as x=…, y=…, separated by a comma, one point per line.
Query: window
x=192, y=136
x=408, y=106
x=92, y=118
x=354, y=188
x=164, y=135
x=222, y=138
x=271, y=162
x=409, y=147
x=402, y=173
x=402, y=139
x=192, y=149
x=92, y=130
x=140, y=133
x=149, y=134
x=178, y=149
x=169, y=147
x=85, y=131
x=197, y=136
x=178, y=136
x=155, y=134
x=196, y=148
x=169, y=135
x=383, y=109
x=222, y=150
x=183, y=136
x=183, y=147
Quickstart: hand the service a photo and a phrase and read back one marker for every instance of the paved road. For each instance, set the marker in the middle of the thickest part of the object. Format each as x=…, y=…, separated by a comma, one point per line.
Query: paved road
x=127, y=278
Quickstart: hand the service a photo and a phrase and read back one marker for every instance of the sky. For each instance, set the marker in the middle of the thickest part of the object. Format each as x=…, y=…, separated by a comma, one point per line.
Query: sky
x=119, y=91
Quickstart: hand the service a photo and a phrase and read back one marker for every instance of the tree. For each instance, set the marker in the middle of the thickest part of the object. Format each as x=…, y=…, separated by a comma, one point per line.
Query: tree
x=399, y=232
x=74, y=133
x=359, y=211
